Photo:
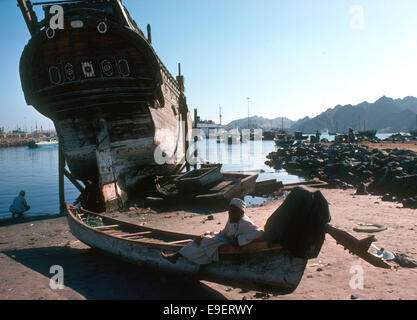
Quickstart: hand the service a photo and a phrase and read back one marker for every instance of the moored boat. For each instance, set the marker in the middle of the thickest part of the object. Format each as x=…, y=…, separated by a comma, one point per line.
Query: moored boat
x=255, y=266
x=47, y=143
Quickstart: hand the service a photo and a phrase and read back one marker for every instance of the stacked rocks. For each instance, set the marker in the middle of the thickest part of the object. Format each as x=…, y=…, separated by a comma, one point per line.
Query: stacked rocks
x=391, y=173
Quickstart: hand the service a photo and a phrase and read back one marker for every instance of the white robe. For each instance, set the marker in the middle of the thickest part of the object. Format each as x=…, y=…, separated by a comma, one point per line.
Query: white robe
x=208, y=250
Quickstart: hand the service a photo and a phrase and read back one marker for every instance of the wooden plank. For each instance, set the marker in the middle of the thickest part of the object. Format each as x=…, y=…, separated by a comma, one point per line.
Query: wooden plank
x=356, y=246
x=107, y=227
x=253, y=247
x=180, y=241
x=221, y=185
x=73, y=180
x=137, y=234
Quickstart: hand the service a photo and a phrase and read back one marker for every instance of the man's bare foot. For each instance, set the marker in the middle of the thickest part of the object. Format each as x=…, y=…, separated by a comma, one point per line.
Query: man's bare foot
x=170, y=257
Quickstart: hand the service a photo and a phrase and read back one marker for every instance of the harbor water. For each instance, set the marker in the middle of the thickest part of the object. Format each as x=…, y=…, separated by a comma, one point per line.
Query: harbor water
x=36, y=171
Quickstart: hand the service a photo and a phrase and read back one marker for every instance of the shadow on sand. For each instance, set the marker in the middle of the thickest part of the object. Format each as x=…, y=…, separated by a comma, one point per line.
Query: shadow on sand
x=96, y=275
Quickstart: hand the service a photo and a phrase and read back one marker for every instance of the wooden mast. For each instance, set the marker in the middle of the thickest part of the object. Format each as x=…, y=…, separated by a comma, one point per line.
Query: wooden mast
x=183, y=112
x=29, y=15
x=195, y=138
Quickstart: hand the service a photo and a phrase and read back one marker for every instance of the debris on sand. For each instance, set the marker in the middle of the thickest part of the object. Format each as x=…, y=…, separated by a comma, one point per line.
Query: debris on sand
x=404, y=261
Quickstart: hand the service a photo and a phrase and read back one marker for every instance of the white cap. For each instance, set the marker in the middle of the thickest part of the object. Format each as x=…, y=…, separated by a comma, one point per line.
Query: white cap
x=240, y=204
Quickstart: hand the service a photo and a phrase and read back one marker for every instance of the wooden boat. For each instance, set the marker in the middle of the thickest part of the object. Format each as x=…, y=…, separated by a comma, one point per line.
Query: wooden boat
x=367, y=133
x=269, y=135
x=254, y=267
x=197, y=180
x=32, y=144
x=283, y=140
x=119, y=113
x=232, y=185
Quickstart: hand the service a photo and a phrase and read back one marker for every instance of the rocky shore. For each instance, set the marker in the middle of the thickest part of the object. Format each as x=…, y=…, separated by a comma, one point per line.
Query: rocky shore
x=14, y=142
x=390, y=173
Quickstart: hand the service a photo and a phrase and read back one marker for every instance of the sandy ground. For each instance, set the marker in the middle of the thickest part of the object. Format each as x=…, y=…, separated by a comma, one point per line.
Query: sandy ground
x=29, y=248
x=409, y=145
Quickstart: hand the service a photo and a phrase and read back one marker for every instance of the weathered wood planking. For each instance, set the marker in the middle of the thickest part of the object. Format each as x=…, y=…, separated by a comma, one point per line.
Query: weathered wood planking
x=254, y=267
x=140, y=102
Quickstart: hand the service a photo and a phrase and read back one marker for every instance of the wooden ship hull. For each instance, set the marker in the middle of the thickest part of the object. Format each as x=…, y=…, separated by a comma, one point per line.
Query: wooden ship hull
x=253, y=267
x=217, y=192
x=119, y=114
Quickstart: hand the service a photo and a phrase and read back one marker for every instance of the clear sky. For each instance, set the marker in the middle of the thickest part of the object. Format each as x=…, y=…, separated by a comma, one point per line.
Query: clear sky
x=293, y=58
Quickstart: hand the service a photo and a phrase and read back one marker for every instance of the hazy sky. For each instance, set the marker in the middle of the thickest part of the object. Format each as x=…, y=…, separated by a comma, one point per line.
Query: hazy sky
x=293, y=58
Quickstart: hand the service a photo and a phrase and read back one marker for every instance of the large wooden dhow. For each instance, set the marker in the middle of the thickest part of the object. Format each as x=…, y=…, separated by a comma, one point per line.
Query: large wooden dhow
x=119, y=114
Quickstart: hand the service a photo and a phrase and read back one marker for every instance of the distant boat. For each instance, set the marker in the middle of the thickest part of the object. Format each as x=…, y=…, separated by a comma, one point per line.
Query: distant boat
x=32, y=145
x=282, y=140
x=367, y=133
x=269, y=135
x=49, y=143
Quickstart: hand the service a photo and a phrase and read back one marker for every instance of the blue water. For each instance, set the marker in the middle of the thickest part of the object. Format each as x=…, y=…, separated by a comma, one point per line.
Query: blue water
x=36, y=172
x=244, y=157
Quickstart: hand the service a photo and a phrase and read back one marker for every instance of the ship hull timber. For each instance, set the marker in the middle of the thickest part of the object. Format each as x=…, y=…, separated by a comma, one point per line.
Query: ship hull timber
x=111, y=119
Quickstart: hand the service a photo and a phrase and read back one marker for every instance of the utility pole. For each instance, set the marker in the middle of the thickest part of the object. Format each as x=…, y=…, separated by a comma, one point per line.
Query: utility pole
x=220, y=114
x=248, y=112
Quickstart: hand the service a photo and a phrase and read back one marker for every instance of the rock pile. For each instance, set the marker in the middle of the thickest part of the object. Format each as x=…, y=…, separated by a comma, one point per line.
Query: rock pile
x=391, y=173
x=400, y=137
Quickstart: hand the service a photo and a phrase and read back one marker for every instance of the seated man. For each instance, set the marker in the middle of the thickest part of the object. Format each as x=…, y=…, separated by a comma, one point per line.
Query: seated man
x=238, y=231
x=19, y=205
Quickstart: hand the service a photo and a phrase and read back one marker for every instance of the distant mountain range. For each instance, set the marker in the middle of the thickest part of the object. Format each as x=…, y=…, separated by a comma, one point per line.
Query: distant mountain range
x=262, y=123
x=384, y=115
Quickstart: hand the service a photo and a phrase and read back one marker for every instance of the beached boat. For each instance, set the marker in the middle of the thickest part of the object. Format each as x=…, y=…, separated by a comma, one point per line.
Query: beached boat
x=254, y=267
x=231, y=185
x=197, y=180
x=119, y=113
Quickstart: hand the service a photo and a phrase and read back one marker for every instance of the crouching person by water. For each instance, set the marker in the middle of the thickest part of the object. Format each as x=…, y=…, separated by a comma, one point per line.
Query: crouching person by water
x=238, y=231
x=19, y=205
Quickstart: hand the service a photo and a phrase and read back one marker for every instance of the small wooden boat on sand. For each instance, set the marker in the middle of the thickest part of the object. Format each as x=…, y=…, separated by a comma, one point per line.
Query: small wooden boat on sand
x=217, y=192
x=255, y=266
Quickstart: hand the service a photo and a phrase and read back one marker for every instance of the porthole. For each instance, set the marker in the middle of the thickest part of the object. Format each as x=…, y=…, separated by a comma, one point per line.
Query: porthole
x=102, y=27
x=88, y=69
x=50, y=33
x=55, y=75
x=77, y=24
x=124, y=68
x=107, y=68
x=69, y=72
